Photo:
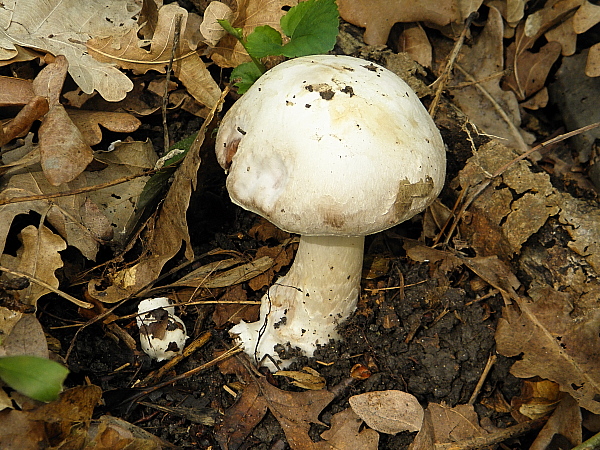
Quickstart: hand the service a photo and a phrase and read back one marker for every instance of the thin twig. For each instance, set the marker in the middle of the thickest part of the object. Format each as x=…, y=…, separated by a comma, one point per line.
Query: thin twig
x=442, y=80
x=64, y=295
x=486, y=370
x=165, y=99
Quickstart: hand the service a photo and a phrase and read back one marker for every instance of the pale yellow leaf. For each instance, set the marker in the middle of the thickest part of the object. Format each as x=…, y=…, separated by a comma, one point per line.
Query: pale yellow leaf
x=210, y=28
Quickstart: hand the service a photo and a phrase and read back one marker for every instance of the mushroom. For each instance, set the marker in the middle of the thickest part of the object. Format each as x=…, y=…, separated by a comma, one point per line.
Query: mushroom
x=162, y=333
x=332, y=148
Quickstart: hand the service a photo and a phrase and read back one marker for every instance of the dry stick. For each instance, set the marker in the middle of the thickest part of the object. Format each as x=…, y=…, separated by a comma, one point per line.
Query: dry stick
x=488, y=366
x=165, y=99
x=443, y=78
x=64, y=295
x=195, y=345
x=493, y=438
x=592, y=443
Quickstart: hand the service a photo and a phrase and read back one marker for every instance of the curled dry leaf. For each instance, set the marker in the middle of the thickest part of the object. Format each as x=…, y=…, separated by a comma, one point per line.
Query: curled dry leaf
x=388, y=411
x=308, y=378
x=210, y=28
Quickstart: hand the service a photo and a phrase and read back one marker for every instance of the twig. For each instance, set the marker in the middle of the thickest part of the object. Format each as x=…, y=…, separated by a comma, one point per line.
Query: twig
x=96, y=187
x=64, y=295
x=165, y=99
x=486, y=370
x=592, y=443
x=442, y=80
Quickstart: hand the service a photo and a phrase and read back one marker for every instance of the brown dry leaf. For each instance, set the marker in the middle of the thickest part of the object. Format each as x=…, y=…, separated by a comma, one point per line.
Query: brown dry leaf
x=248, y=15
x=388, y=412
x=537, y=399
x=241, y=418
x=556, y=341
x=308, y=378
x=295, y=411
x=281, y=255
x=488, y=106
x=129, y=53
x=39, y=257
x=378, y=17
x=22, y=122
x=454, y=424
x=528, y=70
x=210, y=28
x=565, y=421
x=234, y=312
x=499, y=224
x=88, y=123
x=414, y=41
x=108, y=433
x=64, y=152
x=345, y=433
x=27, y=337
x=15, y=91
x=592, y=67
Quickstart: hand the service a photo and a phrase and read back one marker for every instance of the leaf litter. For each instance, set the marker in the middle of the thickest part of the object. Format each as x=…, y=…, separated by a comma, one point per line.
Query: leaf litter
x=523, y=247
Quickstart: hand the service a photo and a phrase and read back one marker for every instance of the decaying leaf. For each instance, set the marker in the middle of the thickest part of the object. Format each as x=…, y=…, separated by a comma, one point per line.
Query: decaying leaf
x=565, y=421
x=62, y=27
x=557, y=341
x=210, y=28
x=88, y=123
x=388, y=411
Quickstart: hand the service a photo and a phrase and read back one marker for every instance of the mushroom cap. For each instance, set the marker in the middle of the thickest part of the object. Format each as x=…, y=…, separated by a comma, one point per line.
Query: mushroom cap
x=331, y=145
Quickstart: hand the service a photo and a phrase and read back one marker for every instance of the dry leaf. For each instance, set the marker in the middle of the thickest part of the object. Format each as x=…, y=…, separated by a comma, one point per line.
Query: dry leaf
x=62, y=27
x=493, y=110
x=565, y=421
x=281, y=256
x=27, y=337
x=210, y=28
x=22, y=122
x=39, y=256
x=379, y=16
x=556, y=342
x=129, y=53
x=454, y=424
x=414, y=41
x=388, y=411
x=88, y=123
x=345, y=433
x=308, y=378
x=15, y=91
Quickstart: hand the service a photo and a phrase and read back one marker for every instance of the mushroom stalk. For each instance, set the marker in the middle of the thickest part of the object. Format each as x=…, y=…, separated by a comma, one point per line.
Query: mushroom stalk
x=305, y=306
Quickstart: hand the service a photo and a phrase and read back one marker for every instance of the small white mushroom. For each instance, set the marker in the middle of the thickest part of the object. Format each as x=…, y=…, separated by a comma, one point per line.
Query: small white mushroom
x=332, y=148
x=162, y=333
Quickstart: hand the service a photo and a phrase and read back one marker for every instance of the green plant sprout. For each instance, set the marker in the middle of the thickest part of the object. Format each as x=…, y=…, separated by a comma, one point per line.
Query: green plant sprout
x=38, y=378
x=311, y=27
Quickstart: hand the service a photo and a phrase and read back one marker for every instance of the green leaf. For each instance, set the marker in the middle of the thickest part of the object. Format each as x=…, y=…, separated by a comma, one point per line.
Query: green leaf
x=246, y=74
x=264, y=41
x=312, y=27
x=38, y=378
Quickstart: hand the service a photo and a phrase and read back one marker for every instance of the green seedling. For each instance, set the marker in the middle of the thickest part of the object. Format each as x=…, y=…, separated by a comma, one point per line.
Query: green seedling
x=311, y=28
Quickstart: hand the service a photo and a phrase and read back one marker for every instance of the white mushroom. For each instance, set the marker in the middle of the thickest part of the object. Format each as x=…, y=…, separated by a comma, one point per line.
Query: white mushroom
x=332, y=148
x=162, y=333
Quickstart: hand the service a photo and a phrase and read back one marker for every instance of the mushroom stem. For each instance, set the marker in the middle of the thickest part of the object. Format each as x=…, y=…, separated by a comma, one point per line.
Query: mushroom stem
x=305, y=306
